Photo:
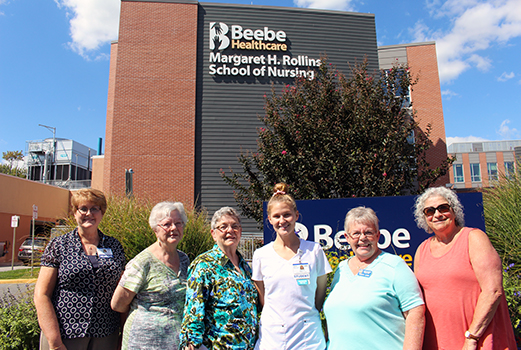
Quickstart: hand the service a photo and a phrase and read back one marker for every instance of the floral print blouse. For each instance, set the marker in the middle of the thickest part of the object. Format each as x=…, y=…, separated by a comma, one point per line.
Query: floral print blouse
x=220, y=309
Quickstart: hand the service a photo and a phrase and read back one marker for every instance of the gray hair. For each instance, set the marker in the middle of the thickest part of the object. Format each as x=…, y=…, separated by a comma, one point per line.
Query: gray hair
x=445, y=193
x=163, y=210
x=361, y=215
x=224, y=211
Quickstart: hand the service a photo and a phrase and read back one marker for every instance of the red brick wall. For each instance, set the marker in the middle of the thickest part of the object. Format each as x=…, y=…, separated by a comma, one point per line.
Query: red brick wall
x=110, y=119
x=426, y=99
x=152, y=126
x=466, y=170
x=483, y=169
x=500, y=163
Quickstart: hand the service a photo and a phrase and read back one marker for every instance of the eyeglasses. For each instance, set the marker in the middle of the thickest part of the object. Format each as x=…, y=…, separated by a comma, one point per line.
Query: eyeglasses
x=85, y=210
x=169, y=225
x=442, y=209
x=358, y=234
x=224, y=227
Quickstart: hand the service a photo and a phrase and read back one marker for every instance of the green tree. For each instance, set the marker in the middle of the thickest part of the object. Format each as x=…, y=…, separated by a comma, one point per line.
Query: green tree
x=12, y=168
x=337, y=137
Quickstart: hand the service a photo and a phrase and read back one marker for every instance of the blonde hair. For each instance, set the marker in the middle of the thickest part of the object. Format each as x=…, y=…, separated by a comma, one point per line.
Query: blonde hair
x=281, y=195
x=89, y=195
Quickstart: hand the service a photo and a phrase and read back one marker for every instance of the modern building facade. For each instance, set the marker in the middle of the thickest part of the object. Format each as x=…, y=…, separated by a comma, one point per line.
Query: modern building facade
x=479, y=164
x=187, y=84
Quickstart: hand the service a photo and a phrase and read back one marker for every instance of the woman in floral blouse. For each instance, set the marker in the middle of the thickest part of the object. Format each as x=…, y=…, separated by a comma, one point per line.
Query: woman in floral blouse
x=153, y=286
x=220, y=310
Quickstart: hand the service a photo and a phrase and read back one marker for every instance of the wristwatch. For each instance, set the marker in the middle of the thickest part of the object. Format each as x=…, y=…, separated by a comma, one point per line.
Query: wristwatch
x=469, y=335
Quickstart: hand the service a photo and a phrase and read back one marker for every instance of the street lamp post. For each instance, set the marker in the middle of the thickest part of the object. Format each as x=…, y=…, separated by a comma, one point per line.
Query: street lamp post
x=53, y=129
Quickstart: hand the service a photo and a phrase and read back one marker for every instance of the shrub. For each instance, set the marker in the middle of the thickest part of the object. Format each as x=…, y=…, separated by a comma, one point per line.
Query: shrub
x=18, y=321
x=502, y=205
x=334, y=258
x=513, y=295
x=126, y=219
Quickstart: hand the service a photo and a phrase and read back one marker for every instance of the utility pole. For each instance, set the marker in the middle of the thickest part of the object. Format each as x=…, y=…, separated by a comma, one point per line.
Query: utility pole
x=53, y=129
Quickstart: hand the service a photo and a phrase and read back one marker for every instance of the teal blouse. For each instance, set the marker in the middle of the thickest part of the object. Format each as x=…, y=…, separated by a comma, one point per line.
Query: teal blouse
x=220, y=309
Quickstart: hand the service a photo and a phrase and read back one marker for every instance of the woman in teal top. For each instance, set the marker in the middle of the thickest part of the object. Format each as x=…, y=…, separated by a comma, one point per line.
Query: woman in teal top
x=153, y=286
x=375, y=301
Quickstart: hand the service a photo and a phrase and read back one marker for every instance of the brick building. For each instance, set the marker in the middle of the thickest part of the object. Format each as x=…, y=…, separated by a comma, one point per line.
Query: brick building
x=187, y=81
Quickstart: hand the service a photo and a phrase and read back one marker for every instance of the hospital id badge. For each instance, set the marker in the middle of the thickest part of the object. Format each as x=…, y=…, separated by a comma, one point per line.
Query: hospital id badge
x=301, y=273
x=365, y=273
x=105, y=253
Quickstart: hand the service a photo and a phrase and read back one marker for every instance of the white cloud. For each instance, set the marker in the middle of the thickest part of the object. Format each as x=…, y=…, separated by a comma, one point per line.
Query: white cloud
x=475, y=25
x=449, y=94
x=506, y=132
x=456, y=139
x=344, y=5
x=506, y=76
x=93, y=23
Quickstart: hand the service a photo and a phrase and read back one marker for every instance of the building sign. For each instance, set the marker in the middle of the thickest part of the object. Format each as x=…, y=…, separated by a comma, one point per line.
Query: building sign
x=322, y=221
x=260, y=60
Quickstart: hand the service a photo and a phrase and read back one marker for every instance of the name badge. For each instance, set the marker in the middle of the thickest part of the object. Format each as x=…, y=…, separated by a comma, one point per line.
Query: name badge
x=105, y=253
x=365, y=273
x=301, y=273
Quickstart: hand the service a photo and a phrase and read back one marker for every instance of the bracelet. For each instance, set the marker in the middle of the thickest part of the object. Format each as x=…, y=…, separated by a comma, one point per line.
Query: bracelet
x=469, y=335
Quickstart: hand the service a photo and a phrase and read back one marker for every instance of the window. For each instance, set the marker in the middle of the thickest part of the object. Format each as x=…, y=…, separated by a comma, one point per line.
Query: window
x=458, y=173
x=475, y=174
x=492, y=171
x=509, y=169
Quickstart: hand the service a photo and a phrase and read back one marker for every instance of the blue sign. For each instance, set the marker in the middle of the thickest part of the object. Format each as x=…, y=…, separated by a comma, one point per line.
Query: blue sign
x=322, y=221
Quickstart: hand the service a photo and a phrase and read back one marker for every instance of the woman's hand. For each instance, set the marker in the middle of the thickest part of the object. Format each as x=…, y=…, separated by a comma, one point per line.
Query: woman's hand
x=470, y=344
x=46, y=314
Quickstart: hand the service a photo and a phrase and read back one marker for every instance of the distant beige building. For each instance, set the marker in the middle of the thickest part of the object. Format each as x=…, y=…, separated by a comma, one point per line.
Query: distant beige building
x=479, y=164
x=18, y=198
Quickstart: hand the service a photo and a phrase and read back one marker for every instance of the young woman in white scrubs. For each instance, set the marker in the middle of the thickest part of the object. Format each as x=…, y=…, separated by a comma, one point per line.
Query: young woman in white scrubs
x=291, y=275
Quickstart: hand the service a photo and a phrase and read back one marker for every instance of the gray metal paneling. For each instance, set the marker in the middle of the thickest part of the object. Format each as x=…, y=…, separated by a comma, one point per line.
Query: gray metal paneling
x=388, y=57
x=227, y=107
x=509, y=156
x=491, y=157
x=473, y=158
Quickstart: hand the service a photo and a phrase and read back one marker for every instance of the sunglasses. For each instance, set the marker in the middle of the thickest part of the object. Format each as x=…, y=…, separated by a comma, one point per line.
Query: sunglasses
x=442, y=209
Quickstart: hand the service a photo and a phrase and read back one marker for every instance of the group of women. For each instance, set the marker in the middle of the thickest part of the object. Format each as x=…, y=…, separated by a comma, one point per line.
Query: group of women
x=453, y=300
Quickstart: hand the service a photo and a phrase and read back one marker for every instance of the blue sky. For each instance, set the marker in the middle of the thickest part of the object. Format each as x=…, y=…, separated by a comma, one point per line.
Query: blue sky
x=54, y=62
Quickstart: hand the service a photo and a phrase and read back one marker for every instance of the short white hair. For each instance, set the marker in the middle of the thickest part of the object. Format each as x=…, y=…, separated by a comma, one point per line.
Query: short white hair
x=224, y=211
x=163, y=210
x=361, y=215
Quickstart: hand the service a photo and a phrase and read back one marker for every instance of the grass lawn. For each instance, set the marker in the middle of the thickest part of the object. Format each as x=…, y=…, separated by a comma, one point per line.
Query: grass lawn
x=19, y=274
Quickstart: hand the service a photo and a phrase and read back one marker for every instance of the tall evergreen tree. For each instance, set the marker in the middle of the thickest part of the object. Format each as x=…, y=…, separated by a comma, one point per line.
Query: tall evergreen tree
x=337, y=137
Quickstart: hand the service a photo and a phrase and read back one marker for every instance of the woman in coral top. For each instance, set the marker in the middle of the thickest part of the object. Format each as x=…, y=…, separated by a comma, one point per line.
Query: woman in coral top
x=460, y=274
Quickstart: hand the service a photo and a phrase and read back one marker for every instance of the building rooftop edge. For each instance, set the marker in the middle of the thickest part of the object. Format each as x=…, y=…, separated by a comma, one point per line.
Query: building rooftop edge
x=488, y=141
x=256, y=6
x=407, y=45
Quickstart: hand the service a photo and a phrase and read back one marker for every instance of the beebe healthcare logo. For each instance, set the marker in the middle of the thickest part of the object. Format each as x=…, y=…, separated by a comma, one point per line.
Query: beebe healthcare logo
x=222, y=35
x=218, y=36
x=260, y=58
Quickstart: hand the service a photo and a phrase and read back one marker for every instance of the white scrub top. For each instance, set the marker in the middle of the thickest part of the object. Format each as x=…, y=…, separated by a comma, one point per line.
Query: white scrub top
x=289, y=318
